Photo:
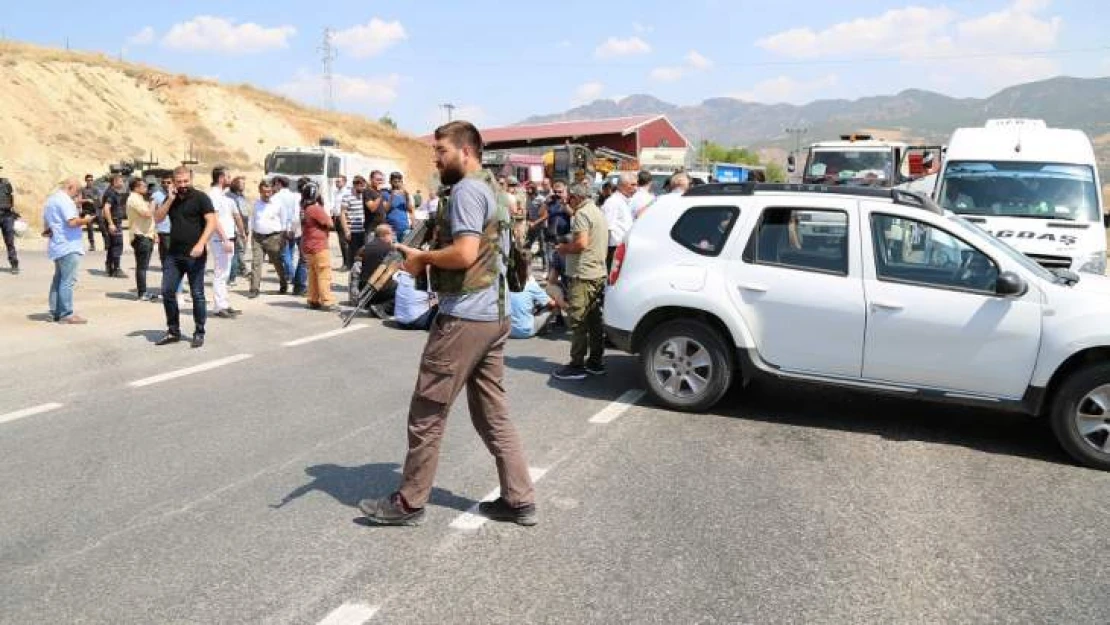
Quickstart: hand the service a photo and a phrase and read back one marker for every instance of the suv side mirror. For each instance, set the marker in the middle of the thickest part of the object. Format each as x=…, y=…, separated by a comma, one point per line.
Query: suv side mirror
x=791, y=164
x=1009, y=284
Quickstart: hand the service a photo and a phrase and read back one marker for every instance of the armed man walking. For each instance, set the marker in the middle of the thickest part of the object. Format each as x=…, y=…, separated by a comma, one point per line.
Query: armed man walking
x=7, y=221
x=467, y=340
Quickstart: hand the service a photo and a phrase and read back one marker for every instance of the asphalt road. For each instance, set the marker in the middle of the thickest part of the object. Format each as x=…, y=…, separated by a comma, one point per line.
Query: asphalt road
x=227, y=494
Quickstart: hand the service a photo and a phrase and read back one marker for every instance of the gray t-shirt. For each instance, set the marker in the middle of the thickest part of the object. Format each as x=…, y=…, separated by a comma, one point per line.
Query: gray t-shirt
x=472, y=205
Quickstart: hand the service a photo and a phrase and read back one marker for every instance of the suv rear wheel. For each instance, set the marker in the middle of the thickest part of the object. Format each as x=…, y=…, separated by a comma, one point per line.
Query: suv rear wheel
x=1081, y=416
x=687, y=365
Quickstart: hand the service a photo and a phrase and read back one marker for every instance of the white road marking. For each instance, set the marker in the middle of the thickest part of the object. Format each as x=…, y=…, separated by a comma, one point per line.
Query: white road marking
x=325, y=335
x=618, y=406
x=162, y=377
x=471, y=520
x=350, y=614
x=29, y=412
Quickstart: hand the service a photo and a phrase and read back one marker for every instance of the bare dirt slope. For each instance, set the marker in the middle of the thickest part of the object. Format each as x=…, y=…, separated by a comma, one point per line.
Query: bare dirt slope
x=70, y=113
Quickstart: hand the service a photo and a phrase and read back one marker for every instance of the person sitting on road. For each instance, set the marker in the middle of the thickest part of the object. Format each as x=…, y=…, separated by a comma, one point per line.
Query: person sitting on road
x=531, y=308
x=413, y=309
x=371, y=256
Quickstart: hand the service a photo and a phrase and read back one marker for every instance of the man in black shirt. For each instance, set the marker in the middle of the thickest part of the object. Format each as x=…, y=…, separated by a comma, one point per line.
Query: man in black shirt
x=375, y=202
x=192, y=221
x=89, y=198
x=372, y=255
x=114, y=212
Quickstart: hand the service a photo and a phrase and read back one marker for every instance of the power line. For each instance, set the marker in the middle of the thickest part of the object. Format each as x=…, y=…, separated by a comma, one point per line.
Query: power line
x=450, y=108
x=327, y=57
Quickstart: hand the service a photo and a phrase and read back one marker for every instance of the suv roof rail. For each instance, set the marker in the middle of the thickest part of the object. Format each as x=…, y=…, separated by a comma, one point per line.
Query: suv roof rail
x=898, y=196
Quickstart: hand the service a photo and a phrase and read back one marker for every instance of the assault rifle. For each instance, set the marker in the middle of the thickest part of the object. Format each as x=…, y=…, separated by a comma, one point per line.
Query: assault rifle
x=418, y=237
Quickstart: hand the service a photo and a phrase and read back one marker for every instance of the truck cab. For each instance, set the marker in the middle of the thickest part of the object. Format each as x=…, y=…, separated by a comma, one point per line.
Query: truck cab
x=1034, y=187
x=855, y=160
x=323, y=164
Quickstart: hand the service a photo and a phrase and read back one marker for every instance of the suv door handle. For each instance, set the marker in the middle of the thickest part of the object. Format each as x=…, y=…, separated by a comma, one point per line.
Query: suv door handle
x=879, y=304
x=758, y=288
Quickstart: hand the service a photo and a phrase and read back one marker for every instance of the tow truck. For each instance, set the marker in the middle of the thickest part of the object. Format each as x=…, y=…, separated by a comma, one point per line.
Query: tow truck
x=859, y=159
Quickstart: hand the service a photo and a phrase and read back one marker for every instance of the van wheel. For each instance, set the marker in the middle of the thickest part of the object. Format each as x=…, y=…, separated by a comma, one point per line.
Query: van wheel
x=687, y=365
x=1081, y=416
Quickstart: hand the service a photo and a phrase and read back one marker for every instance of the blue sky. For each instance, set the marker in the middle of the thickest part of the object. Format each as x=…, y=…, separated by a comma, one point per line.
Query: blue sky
x=499, y=62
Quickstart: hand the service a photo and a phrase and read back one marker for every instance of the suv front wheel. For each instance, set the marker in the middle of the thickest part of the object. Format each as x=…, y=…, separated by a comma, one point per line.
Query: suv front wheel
x=1081, y=416
x=687, y=365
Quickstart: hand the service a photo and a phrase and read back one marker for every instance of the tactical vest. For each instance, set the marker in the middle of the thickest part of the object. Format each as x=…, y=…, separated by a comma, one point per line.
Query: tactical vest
x=6, y=199
x=485, y=270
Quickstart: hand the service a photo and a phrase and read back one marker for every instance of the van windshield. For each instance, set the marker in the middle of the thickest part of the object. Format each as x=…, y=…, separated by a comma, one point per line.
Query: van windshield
x=851, y=167
x=294, y=164
x=1011, y=189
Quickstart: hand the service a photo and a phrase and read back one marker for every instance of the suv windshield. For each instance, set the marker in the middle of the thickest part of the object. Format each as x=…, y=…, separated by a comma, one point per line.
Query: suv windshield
x=292, y=164
x=853, y=167
x=1009, y=189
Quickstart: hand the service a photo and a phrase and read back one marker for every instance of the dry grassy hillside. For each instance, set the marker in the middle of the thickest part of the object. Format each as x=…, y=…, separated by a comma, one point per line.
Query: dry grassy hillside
x=69, y=113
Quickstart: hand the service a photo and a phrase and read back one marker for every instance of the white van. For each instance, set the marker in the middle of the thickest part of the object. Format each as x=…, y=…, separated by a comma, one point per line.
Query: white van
x=1034, y=187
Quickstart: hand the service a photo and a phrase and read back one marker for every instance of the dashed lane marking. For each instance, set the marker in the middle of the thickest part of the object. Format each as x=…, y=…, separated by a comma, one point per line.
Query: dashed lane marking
x=325, y=335
x=29, y=412
x=617, y=407
x=162, y=377
x=350, y=614
x=471, y=520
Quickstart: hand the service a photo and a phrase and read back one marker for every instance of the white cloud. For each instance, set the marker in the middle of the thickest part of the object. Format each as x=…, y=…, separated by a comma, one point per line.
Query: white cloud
x=206, y=33
x=642, y=29
x=786, y=89
x=144, y=37
x=695, y=60
x=958, y=50
x=667, y=73
x=587, y=92
x=370, y=39
x=351, y=92
x=621, y=47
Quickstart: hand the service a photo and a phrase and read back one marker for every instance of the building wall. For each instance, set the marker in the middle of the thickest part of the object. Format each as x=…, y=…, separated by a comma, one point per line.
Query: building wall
x=614, y=142
x=653, y=134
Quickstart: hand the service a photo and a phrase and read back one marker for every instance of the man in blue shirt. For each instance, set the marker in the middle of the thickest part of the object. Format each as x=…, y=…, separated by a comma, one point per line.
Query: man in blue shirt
x=400, y=216
x=65, y=248
x=531, y=310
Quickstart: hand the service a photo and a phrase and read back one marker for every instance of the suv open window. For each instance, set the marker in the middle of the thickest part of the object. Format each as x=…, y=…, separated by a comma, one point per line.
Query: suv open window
x=913, y=252
x=704, y=229
x=801, y=238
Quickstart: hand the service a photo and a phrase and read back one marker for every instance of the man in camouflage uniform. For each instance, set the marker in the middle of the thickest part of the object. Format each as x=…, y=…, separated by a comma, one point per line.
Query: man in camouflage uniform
x=7, y=221
x=466, y=342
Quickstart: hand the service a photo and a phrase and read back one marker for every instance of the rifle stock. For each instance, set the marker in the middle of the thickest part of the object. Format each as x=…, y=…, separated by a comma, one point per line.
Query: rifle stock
x=418, y=237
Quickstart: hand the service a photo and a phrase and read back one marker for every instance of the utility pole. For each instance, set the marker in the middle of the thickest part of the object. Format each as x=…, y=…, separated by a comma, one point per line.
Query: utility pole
x=328, y=55
x=450, y=108
x=797, y=132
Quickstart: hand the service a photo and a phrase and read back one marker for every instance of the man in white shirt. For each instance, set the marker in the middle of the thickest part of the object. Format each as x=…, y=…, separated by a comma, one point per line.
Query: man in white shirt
x=342, y=192
x=222, y=244
x=643, y=197
x=618, y=214
x=290, y=203
x=268, y=229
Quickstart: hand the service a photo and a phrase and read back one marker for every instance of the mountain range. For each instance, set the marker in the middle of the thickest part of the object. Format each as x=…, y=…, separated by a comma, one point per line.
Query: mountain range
x=913, y=115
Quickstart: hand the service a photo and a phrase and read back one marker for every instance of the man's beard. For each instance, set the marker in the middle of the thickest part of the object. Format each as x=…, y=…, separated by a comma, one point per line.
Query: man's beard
x=451, y=174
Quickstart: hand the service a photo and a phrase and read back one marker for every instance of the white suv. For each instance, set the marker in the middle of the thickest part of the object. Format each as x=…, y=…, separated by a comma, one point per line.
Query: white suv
x=877, y=289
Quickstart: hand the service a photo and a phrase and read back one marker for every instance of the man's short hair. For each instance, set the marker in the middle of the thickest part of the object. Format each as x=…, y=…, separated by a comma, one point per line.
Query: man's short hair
x=579, y=190
x=628, y=177
x=264, y=184
x=217, y=173
x=280, y=181
x=359, y=180
x=88, y=176
x=679, y=177
x=377, y=172
x=114, y=178
x=383, y=230
x=134, y=184
x=181, y=169
x=461, y=134
x=559, y=181
x=643, y=178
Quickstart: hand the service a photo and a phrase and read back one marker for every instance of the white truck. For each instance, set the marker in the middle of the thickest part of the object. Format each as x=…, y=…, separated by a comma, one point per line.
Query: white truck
x=854, y=160
x=1033, y=187
x=323, y=164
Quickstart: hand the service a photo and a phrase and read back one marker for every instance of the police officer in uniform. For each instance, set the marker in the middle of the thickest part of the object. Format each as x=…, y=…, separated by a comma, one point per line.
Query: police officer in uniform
x=7, y=221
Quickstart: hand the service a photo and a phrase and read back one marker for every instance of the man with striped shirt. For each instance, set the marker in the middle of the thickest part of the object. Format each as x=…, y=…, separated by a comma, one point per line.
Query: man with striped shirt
x=355, y=221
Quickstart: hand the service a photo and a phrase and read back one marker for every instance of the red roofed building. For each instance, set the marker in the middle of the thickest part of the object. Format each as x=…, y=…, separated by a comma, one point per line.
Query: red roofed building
x=627, y=135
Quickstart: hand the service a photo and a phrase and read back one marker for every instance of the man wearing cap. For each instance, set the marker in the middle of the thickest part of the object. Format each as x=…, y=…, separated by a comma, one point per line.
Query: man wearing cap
x=7, y=221
x=400, y=215
x=585, y=271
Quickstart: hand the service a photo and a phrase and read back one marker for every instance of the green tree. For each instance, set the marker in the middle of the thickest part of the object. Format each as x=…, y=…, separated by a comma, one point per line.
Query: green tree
x=386, y=120
x=716, y=153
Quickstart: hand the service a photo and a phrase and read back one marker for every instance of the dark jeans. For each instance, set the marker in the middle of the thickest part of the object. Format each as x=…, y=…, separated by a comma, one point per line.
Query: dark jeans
x=358, y=241
x=91, y=229
x=344, y=248
x=7, y=225
x=176, y=266
x=144, y=248
x=114, y=245
x=299, y=273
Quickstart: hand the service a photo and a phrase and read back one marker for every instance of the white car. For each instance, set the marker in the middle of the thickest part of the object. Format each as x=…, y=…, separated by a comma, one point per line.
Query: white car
x=876, y=289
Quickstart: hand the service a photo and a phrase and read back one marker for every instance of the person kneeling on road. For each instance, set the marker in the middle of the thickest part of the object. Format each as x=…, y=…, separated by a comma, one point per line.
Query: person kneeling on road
x=372, y=255
x=413, y=309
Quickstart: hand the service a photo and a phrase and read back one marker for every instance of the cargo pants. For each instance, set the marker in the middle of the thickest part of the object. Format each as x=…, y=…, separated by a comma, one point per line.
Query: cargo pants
x=587, y=341
x=471, y=354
